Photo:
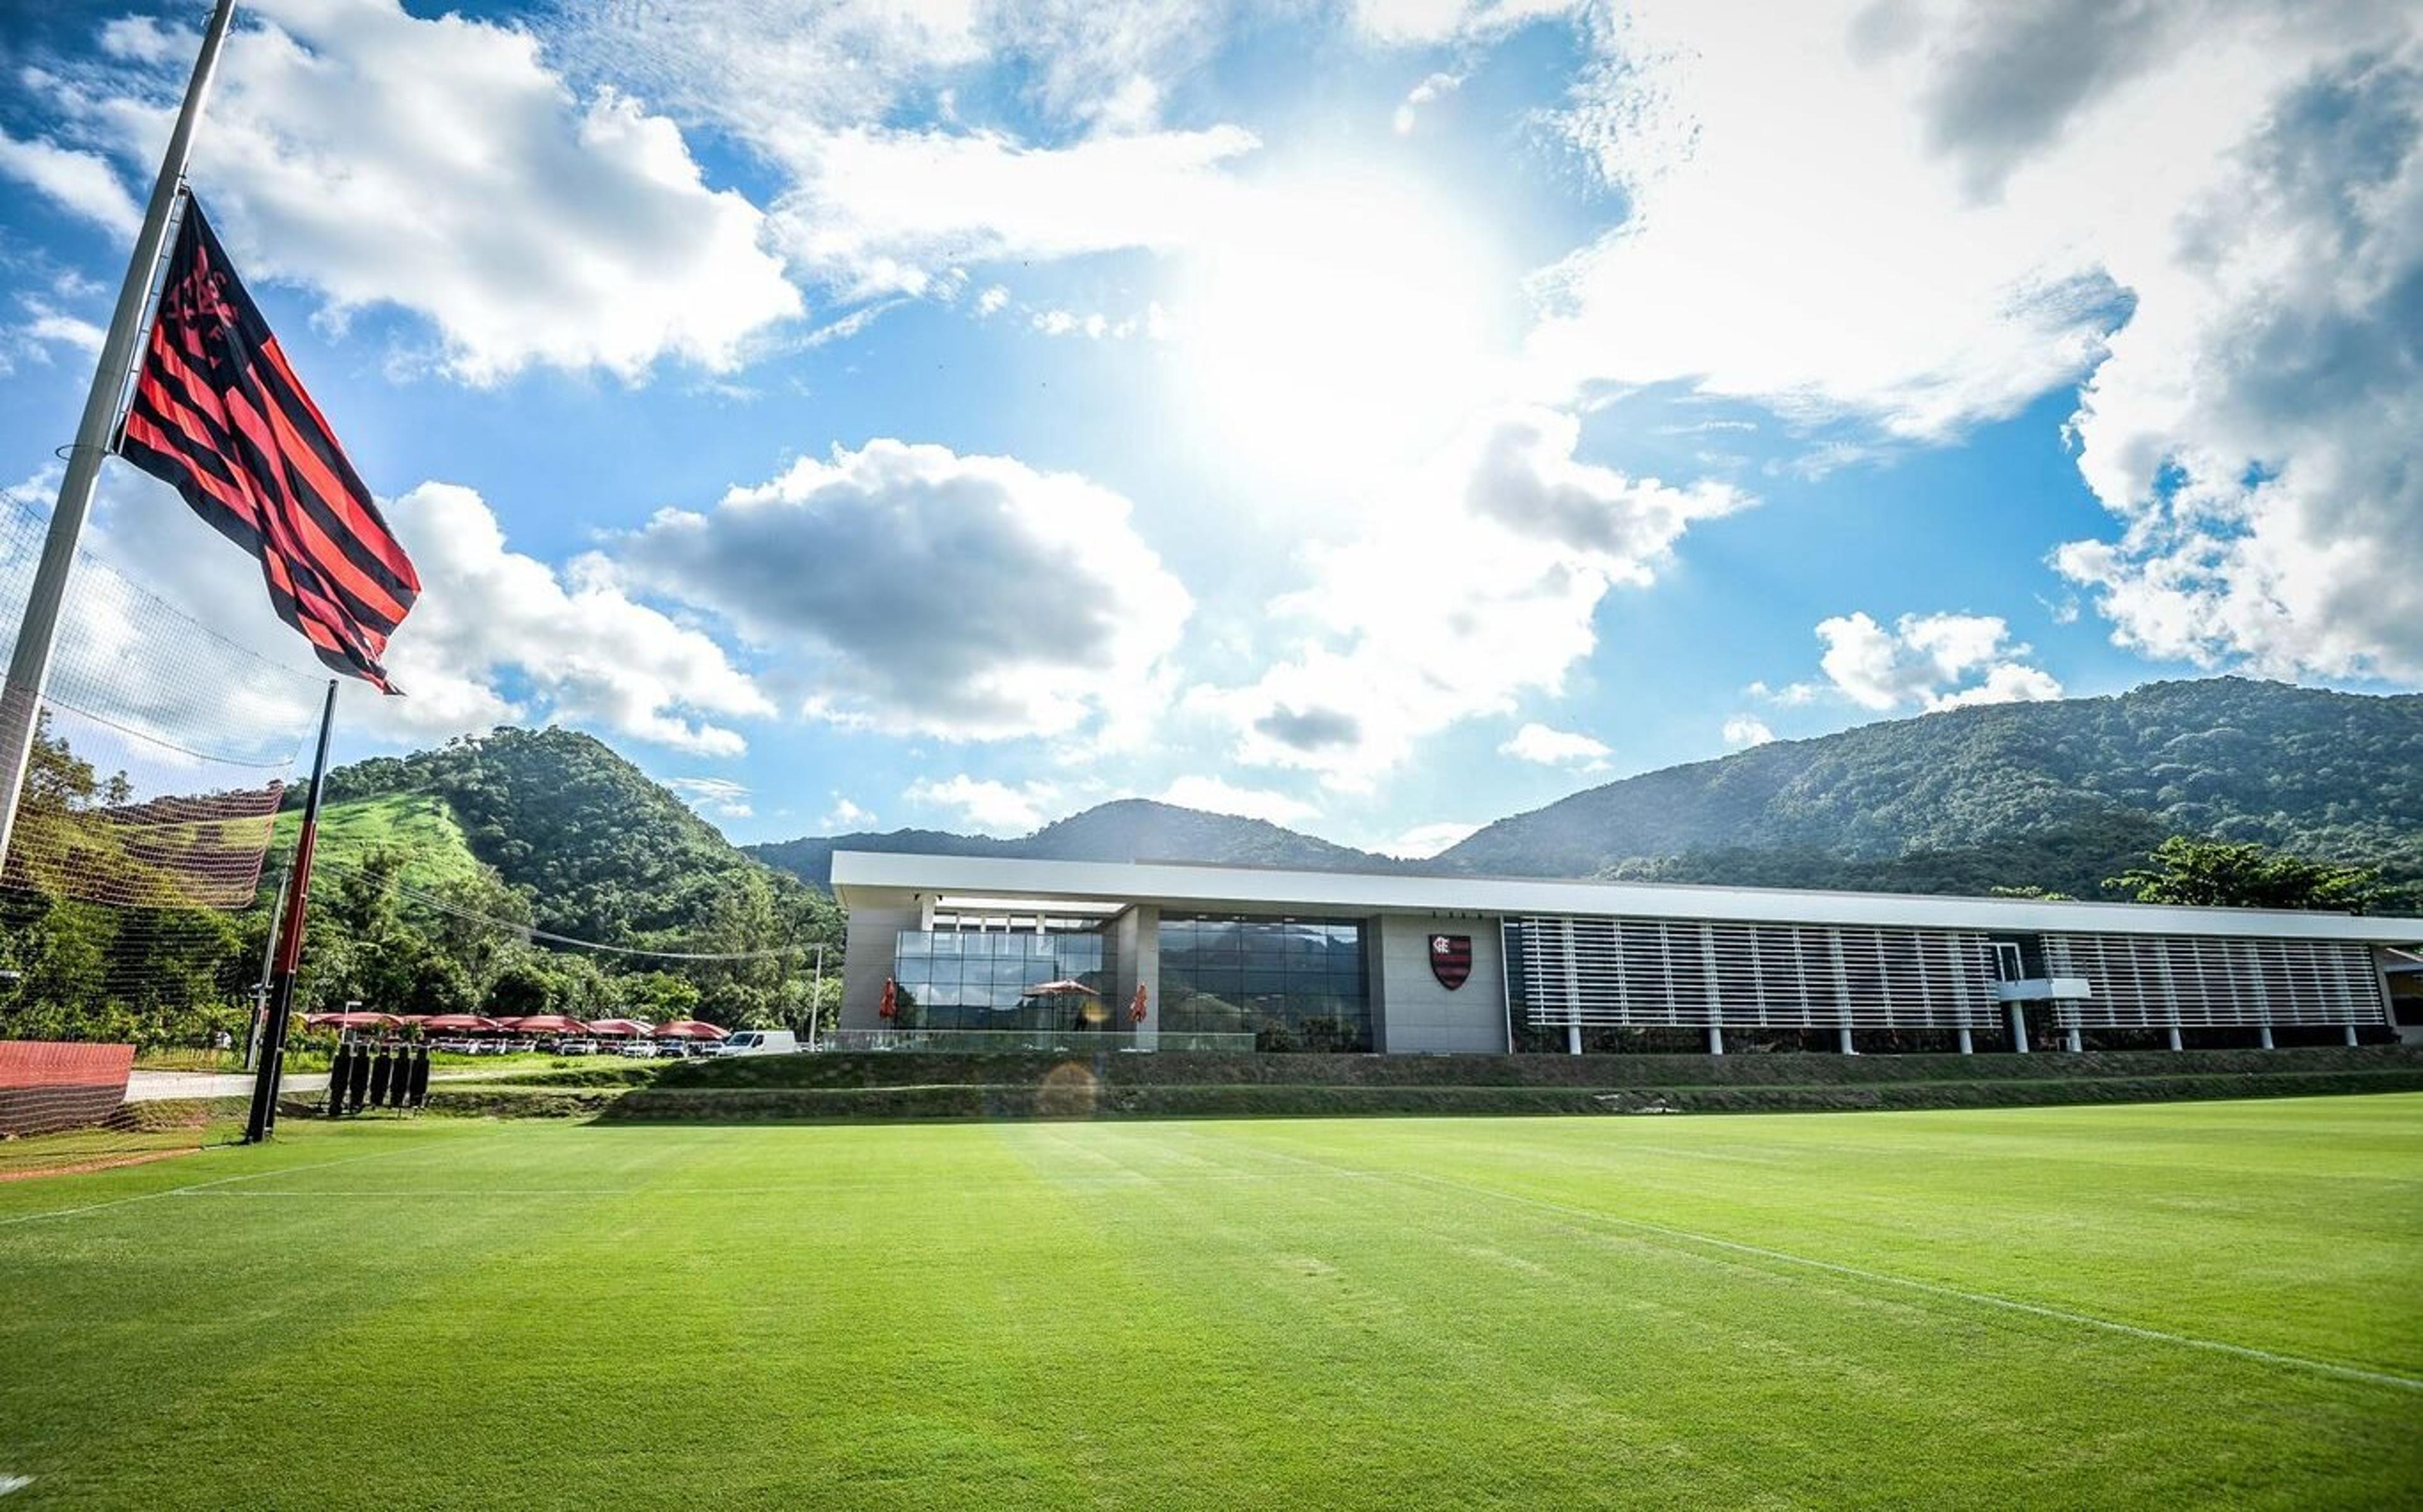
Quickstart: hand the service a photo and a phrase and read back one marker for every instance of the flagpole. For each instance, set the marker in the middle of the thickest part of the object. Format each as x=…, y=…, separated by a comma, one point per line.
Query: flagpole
x=30, y=663
x=262, y=1117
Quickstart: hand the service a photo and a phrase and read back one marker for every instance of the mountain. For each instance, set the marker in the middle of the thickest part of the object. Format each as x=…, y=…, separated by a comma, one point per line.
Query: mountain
x=602, y=852
x=2053, y=795
x=2059, y=795
x=1129, y=829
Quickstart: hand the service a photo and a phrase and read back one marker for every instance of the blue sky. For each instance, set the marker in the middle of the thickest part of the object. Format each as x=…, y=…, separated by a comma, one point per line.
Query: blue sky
x=1379, y=418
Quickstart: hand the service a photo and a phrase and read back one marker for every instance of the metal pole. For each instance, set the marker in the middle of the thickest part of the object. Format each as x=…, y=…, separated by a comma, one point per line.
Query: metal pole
x=30, y=663
x=268, y=968
x=263, y=1119
x=817, y=1003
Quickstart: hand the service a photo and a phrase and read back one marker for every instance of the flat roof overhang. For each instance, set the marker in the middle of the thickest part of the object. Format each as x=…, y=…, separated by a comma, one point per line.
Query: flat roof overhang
x=1267, y=889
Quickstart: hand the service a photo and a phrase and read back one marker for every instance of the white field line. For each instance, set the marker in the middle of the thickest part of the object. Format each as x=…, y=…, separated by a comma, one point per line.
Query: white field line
x=1105, y=1183
x=204, y=1185
x=2059, y=1315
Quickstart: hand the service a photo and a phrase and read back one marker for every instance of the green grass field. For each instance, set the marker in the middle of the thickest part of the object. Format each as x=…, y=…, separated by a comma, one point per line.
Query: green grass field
x=2178, y=1305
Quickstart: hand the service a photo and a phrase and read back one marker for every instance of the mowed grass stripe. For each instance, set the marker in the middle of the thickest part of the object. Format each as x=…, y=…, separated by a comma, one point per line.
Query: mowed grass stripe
x=1348, y=1313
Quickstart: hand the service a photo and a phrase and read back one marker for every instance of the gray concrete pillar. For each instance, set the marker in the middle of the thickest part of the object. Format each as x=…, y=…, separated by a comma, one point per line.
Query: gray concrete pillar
x=1715, y=1039
x=2072, y=1041
x=2177, y=1042
x=2267, y=1037
x=1968, y=1042
x=2020, y=1028
x=1842, y=1040
x=2350, y=1031
x=1573, y=1039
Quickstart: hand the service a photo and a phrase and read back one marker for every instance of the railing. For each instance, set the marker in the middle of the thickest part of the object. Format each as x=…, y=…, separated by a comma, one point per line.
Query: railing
x=1046, y=1041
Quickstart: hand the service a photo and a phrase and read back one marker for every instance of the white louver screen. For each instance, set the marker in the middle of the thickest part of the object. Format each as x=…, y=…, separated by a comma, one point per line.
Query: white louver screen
x=1651, y=973
x=2158, y=980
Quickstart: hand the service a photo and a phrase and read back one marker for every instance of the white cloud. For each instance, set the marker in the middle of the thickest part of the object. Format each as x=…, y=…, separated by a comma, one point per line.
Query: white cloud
x=1429, y=23
x=1512, y=556
x=846, y=815
x=1423, y=842
x=490, y=617
x=880, y=211
x=1923, y=658
x=719, y=797
x=497, y=637
x=765, y=68
x=1216, y=796
x=991, y=301
x=81, y=182
x=49, y=327
x=440, y=166
x=963, y=596
x=993, y=807
x=43, y=328
x=1920, y=216
x=1556, y=748
x=1429, y=92
x=2255, y=429
x=1746, y=730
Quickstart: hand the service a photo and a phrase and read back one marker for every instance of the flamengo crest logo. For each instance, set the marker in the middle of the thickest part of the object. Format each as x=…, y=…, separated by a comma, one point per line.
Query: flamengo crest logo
x=1450, y=959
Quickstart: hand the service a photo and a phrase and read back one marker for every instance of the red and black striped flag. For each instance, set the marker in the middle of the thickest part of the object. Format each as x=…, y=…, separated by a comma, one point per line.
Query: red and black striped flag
x=220, y=415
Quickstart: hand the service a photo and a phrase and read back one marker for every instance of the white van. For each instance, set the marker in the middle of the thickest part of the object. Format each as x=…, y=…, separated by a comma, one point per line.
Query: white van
x=761, y=1042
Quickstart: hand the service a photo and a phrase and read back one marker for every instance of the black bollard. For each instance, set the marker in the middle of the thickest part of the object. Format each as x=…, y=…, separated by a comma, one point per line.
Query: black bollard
x=382, y=1070
x=400, y=1082
x=358, y=1080
x=421, y=1077
x=339, y=1066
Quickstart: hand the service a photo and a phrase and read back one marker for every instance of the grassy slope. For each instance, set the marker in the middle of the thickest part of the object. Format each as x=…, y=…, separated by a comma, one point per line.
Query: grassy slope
x=1382, y=1313
x=416, y=824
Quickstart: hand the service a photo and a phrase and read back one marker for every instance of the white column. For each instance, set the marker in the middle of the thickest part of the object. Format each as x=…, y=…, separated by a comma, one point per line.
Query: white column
x=1967, y=1044
x=2176, y=1042
x=1715, y=1039
x=1573, y=1036
x=1842, y=1040
x=2267, y=1037
x=2350, y=1031
x=2020, y=1028
x=2072, y=1041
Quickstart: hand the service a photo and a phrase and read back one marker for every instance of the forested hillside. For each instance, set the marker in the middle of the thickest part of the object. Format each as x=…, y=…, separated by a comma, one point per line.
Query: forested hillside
x=1131, y=829
x=550, y=829
x=2056, y=795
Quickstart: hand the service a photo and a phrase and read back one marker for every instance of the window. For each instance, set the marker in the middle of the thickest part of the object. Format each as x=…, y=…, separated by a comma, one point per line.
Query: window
x=1266, y=976
x=2006, y=962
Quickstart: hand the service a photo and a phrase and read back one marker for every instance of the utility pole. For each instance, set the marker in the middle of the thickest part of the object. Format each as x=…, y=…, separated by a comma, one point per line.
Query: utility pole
x=263, y=1119
x=29, y=663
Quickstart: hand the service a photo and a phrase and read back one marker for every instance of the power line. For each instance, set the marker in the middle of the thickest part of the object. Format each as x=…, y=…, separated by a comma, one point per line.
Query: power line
x=534, y=932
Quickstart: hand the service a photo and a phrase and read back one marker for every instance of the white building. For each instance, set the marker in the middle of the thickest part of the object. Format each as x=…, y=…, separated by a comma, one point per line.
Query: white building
x=1403, y=963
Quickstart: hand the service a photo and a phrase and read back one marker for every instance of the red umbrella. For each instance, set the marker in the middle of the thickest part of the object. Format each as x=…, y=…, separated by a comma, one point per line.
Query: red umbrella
x=690, y=1028
x=546, y=1024
x=350, y=1020
x=463, y=1024
x=617, y=1027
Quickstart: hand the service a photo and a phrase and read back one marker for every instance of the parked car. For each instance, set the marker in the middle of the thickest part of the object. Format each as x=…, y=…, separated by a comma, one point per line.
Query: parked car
x=576, y=1047
x=761, y=1042
x=638, y=1049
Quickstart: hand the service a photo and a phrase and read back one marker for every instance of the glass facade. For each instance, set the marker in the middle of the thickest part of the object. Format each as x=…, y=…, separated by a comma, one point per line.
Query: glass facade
x=952, y=979
x=1293, y=983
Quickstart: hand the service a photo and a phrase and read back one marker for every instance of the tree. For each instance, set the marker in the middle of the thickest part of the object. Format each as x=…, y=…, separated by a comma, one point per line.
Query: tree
x=2218, y=873
x=522, y=989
